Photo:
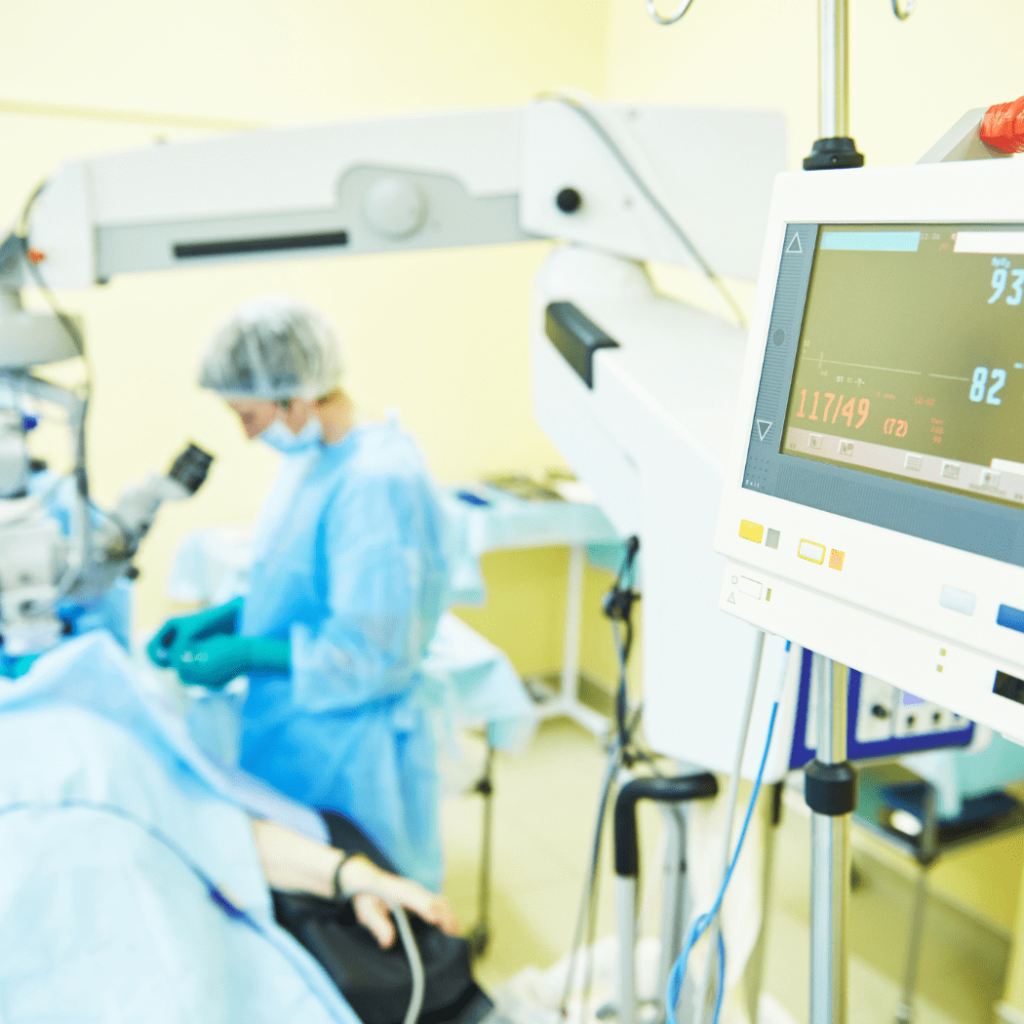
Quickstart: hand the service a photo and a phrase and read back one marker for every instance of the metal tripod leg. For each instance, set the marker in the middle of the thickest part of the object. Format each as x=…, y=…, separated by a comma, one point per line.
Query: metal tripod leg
x=480, y=934
x=926, y=857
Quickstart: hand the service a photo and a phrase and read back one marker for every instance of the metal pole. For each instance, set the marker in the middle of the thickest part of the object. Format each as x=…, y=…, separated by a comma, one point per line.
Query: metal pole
x=834, y=147
x=674, y=912
x=830, y=857
x=625, y=914
x=833, y=69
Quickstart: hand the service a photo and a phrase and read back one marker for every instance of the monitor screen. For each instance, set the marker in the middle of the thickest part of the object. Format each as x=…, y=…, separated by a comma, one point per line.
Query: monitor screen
x=910, y=361
x=892, y=389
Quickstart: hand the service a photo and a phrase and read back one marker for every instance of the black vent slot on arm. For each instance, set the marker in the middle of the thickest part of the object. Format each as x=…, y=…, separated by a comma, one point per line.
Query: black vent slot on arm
x=274, y=243
x=576, y=337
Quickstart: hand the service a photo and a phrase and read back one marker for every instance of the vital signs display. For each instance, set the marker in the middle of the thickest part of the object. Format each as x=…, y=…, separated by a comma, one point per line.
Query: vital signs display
x=911, y=357
x=908, y=367
x=874, y=507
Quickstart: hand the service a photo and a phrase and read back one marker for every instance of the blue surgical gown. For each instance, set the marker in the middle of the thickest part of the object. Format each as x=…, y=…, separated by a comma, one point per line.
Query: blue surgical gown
x=349, y=566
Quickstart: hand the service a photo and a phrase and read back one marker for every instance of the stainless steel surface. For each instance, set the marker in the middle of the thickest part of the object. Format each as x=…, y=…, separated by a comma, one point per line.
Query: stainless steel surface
x=830, y=858
x=905, y=1007
x=674, y=909
x=707, y=986
x=754, y=980
x=625, y=915
x=833, y=69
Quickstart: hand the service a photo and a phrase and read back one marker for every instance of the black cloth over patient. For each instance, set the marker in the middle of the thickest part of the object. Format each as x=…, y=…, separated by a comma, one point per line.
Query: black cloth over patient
x=377, y=982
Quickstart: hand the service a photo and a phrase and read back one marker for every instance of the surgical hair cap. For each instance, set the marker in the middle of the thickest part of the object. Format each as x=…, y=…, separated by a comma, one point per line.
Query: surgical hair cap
x=275, y=348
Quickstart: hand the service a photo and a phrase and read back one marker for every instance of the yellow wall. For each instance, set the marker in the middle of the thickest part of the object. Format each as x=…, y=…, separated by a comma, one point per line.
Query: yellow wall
x=909, y=81
x=439, y=336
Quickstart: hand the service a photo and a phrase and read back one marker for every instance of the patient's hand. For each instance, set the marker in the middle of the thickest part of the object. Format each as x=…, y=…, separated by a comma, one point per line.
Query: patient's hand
x=293, y=862
x=368, y=882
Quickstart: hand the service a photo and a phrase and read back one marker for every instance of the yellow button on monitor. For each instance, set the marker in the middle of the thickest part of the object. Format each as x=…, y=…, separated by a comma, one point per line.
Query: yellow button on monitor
x=811, y=551
x=835, y=559
x=751, y=531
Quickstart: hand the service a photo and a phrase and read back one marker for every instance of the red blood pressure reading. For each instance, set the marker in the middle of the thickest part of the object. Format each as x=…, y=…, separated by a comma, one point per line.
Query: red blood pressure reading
x=831, y=411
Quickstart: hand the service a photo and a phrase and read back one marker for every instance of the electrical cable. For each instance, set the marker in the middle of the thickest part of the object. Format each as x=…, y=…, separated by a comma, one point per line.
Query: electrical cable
x=733, y=796
x=412, y=953
x=645, y=190
x=80, y=419
x=588, y=885
x=618, y=604
x=704, y=921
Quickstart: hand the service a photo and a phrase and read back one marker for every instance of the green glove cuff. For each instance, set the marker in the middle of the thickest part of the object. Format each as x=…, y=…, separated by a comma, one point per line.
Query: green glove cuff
x=267, y=655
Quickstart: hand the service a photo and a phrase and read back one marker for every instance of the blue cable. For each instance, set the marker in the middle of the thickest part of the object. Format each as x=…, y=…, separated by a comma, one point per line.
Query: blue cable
x=701, y=925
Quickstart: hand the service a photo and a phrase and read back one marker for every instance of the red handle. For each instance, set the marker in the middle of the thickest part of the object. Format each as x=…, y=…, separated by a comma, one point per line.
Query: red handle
x=1003, y=126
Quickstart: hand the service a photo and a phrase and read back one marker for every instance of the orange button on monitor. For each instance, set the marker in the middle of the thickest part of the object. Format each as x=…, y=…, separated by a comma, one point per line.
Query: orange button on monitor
x=835, y=559
x=751, y=531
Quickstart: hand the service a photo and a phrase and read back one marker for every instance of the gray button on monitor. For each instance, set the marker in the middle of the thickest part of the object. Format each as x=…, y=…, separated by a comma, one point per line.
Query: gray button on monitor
x=957, y=600
x=773, y=539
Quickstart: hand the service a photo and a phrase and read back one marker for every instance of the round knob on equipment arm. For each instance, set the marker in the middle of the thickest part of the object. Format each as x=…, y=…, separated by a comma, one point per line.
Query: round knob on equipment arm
x=568, y=200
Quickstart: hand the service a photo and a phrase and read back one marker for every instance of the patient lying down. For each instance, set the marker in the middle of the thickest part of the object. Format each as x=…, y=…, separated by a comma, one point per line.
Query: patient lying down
x=135, y=874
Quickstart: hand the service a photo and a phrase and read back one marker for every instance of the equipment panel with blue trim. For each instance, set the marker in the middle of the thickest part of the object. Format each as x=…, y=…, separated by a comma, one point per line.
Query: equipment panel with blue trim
x=882, y=721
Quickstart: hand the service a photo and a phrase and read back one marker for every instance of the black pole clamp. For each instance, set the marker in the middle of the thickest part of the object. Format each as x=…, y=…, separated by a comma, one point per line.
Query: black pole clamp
x=831, y=788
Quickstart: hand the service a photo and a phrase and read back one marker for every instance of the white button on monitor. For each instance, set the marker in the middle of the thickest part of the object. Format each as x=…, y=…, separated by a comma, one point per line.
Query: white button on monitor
x=811, y=551
x=750, y=587
x=962, y=601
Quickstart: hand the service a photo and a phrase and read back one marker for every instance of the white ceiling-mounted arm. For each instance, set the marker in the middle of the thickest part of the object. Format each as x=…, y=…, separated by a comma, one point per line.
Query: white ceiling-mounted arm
x=409, y=183
x=651, y=183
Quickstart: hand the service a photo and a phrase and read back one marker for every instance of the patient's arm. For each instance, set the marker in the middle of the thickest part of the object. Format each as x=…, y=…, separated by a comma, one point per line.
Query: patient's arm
x=293, y=862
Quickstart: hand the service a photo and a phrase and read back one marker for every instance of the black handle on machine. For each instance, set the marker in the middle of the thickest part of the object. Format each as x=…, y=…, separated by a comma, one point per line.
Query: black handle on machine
x=659, y=790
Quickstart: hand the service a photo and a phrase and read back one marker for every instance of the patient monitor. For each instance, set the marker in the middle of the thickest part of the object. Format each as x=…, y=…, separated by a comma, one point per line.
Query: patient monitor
x=873, y=509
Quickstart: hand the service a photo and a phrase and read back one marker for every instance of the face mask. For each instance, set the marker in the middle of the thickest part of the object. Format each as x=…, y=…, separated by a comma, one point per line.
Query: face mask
x=281, y=439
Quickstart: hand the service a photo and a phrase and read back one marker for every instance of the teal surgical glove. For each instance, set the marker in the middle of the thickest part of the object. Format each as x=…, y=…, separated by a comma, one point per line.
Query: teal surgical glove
x=215, y=661
x=15, y=667
x=184, y=630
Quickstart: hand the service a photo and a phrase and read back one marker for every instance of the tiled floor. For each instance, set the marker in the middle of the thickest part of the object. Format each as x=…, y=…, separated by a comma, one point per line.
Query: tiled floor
x=545, y=804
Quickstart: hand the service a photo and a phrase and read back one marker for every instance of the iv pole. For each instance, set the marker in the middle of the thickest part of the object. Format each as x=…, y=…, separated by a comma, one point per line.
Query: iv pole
x=834, y=148
x=830, y=781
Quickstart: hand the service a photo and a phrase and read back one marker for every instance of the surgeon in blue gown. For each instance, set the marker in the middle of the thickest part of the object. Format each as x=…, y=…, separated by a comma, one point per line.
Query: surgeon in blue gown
x=348, y=583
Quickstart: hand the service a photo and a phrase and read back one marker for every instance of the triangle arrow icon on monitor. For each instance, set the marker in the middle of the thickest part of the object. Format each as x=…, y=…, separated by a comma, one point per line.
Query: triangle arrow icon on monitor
x=794, y=245
x=763, y=426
